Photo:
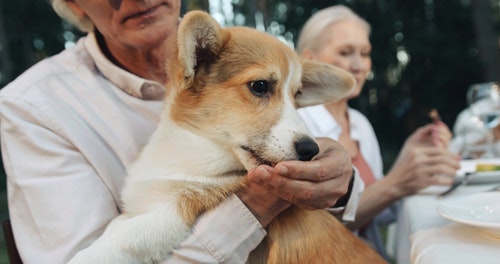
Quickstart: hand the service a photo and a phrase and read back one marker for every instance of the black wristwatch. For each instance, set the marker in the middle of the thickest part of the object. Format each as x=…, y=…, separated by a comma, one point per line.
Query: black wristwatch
x=342, y=201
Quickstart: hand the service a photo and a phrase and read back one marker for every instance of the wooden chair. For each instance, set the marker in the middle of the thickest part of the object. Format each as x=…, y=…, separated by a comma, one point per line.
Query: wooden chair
x=14, y=257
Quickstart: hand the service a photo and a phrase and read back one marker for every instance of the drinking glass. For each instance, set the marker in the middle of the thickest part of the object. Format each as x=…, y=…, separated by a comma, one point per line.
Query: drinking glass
x=484, y=105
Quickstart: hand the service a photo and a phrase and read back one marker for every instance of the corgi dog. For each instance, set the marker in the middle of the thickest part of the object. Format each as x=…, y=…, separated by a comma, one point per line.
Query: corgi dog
x=231, y=107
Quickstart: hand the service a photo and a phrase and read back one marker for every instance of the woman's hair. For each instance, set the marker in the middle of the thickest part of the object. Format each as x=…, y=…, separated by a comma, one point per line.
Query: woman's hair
x=62, y=9
x=312, y=35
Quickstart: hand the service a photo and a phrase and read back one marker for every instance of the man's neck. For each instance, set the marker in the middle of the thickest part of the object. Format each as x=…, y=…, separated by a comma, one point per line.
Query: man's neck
x=149, y=64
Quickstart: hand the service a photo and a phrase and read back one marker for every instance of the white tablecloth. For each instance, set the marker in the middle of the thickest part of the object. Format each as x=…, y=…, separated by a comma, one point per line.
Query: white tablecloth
x=454, y=243
x=423, y=236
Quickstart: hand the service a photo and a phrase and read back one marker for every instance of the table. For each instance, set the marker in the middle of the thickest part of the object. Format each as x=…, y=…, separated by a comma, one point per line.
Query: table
x=424, y=237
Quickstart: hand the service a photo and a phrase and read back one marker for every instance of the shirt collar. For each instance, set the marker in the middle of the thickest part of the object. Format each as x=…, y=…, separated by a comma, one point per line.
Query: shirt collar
x=326, y=126
x=126, y=81
x=330, y=125
x=356, y=133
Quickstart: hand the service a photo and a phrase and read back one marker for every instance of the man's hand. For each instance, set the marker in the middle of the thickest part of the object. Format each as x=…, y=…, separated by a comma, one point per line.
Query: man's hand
x=312, y=184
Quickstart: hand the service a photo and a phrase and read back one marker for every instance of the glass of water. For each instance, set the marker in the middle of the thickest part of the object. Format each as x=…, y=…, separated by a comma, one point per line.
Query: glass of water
x=484, y=106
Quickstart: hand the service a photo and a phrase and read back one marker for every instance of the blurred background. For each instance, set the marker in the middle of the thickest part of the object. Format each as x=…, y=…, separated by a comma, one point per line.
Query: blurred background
x=426, y=53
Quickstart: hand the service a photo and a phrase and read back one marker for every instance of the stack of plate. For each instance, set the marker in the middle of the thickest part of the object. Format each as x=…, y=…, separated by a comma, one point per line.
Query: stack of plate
x=481, y=210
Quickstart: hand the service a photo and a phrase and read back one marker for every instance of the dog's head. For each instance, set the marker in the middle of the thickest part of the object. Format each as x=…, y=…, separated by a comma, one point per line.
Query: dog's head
x=240, y=88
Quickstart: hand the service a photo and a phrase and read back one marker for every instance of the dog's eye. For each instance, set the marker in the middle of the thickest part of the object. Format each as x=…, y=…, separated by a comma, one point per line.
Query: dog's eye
x=260, y=87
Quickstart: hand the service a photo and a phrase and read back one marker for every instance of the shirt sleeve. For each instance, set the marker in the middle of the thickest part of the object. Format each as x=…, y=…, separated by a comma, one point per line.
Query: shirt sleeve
x=57, y=202
x=216, y=240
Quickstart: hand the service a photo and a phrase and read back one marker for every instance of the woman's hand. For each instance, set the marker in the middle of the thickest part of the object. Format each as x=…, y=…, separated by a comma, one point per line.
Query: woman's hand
x=308, y=184
x=437, y=134
x=424, y=160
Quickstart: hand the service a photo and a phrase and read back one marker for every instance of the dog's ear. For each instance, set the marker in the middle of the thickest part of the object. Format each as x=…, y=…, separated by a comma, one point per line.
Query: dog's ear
x=323, y=83
x=200, y=38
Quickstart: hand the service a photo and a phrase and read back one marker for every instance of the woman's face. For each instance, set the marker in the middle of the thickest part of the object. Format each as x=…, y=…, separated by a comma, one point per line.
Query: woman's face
x=347, y=46
x=131, y=24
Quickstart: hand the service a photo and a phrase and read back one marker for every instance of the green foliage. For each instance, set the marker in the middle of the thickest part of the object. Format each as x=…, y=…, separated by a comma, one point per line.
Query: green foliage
x=32, y=32
x=440, y=42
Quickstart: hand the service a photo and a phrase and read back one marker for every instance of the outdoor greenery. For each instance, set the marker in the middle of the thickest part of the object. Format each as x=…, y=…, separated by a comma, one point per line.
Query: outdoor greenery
x=425, y=53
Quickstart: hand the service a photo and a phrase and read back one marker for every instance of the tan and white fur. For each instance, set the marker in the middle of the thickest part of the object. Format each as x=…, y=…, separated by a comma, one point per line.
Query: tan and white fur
x=231, y=106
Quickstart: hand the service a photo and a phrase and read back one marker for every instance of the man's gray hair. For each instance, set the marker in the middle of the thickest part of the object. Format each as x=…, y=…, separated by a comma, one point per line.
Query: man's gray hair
x=312, y=36
x=64, y=11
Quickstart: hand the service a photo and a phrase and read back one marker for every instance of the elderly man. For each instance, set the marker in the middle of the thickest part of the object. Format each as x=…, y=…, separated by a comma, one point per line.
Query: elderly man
x=72, y=123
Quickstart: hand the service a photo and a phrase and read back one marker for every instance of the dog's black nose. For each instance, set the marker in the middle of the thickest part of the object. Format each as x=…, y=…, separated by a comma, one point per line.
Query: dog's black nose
x=306, y=148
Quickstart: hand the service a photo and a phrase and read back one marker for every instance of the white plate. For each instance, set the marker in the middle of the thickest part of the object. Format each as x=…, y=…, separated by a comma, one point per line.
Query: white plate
x=480, y=177
x=481, y=210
